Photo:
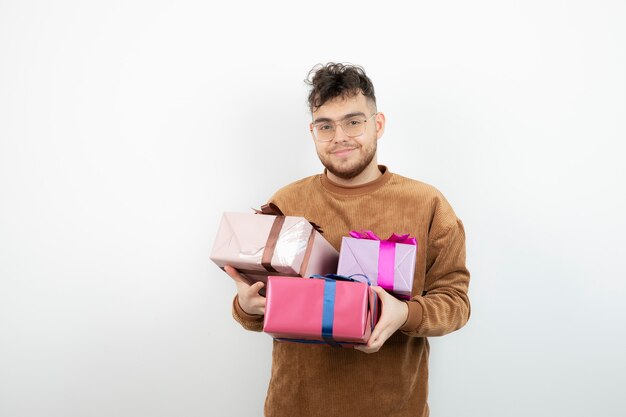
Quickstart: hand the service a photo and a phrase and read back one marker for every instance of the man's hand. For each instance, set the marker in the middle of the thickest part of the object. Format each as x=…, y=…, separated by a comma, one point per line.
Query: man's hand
x=394, y=315
x=249, y=299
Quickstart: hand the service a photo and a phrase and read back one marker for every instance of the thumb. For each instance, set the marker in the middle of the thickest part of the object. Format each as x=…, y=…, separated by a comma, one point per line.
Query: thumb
x=379, y=290
x=256, y=287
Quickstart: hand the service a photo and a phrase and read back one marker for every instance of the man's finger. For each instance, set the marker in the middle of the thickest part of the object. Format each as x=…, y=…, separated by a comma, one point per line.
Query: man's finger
x=380, y=291
x=373, y=337
x=373, y=340
x=366, y=349
x=378, y=329
x=234, y=274
x=256, y=287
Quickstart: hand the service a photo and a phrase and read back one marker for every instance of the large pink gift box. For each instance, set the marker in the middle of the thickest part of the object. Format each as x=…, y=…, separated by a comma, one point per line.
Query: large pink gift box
x=259, y=245
x=320, y=310
x=389, y=263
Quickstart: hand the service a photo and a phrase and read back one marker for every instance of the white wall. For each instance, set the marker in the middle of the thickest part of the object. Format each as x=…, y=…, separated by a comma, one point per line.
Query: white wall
x=127, y=127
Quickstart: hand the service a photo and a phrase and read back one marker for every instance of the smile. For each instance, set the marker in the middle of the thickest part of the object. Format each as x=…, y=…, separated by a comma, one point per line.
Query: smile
x=343, y=152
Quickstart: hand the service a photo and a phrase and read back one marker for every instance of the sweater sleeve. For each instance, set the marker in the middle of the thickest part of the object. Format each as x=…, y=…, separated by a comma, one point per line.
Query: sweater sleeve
x=444, y=305
x=252, y=322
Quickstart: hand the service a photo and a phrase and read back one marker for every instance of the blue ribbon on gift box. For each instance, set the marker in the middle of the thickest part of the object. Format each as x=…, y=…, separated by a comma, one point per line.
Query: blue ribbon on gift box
x=328, y=312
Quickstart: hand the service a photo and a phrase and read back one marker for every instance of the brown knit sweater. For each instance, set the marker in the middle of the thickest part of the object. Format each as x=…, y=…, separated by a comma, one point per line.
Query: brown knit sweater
x=319, y=380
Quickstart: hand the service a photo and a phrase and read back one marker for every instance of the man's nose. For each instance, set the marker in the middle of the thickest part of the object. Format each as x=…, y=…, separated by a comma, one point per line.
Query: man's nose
x=340, y=134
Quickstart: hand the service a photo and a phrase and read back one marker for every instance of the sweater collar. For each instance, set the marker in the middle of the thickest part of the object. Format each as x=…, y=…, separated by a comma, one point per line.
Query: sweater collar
x=366, y=188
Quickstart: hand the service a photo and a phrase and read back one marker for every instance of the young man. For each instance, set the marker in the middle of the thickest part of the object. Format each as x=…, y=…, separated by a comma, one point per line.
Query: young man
x=389, y=375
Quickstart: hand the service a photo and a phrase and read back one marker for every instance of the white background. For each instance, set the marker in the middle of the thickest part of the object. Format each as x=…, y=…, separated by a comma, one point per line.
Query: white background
x=127, y=127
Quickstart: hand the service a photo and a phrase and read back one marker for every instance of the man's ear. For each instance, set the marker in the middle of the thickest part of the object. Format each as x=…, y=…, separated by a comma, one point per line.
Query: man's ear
x=380, y=125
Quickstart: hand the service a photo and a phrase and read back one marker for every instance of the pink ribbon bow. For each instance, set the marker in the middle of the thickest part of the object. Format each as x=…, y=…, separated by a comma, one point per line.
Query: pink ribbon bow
x=387, y=254
x=394, y=238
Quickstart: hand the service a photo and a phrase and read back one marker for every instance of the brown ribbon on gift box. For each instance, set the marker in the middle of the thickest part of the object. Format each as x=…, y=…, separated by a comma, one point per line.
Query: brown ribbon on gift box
x=273, y=210
x=270, y=246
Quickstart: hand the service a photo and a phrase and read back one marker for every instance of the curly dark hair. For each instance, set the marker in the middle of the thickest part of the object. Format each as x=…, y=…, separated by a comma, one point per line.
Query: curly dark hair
x=337, y=80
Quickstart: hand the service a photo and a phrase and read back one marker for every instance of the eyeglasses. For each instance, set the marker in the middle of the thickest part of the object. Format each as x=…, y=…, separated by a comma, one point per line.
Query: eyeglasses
x=352, y=126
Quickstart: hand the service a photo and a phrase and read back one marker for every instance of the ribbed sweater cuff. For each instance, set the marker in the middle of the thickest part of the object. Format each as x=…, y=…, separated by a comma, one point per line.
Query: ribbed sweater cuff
x=414, y=318
x=243, y=315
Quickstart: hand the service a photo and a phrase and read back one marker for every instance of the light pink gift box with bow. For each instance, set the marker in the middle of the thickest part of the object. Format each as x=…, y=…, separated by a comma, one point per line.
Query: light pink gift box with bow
x=269, y=243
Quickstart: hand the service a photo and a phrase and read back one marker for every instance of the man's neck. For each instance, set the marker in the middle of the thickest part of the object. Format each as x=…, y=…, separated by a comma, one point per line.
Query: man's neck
x=369, y=174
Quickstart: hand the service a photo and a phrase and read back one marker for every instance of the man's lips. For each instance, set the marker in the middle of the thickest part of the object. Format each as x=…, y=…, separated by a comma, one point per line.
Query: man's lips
x=342, y=151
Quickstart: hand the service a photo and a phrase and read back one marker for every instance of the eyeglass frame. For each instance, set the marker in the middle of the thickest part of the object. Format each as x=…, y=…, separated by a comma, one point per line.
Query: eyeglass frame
x=338, y=123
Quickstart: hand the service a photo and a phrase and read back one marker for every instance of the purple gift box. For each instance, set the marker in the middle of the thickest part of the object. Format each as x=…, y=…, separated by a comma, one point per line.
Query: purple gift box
x=389, y=263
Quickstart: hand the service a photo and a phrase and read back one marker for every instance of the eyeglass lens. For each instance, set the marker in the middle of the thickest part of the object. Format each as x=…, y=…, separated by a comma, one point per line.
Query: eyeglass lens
x=325, y=131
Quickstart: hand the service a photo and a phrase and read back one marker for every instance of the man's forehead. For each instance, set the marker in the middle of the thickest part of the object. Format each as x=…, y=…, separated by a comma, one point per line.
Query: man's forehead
x=342, y=106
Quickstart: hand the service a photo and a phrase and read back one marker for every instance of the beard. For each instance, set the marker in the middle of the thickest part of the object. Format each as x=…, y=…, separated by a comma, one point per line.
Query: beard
x=349, y=169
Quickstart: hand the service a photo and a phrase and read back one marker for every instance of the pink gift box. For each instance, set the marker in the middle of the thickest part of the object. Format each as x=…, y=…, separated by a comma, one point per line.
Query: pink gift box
x=387, y=263
x=259, y=245
x=318, y=310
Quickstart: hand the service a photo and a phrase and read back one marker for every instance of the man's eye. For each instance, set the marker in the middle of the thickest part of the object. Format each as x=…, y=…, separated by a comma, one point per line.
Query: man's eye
x=354, y=122
x=324, y=127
